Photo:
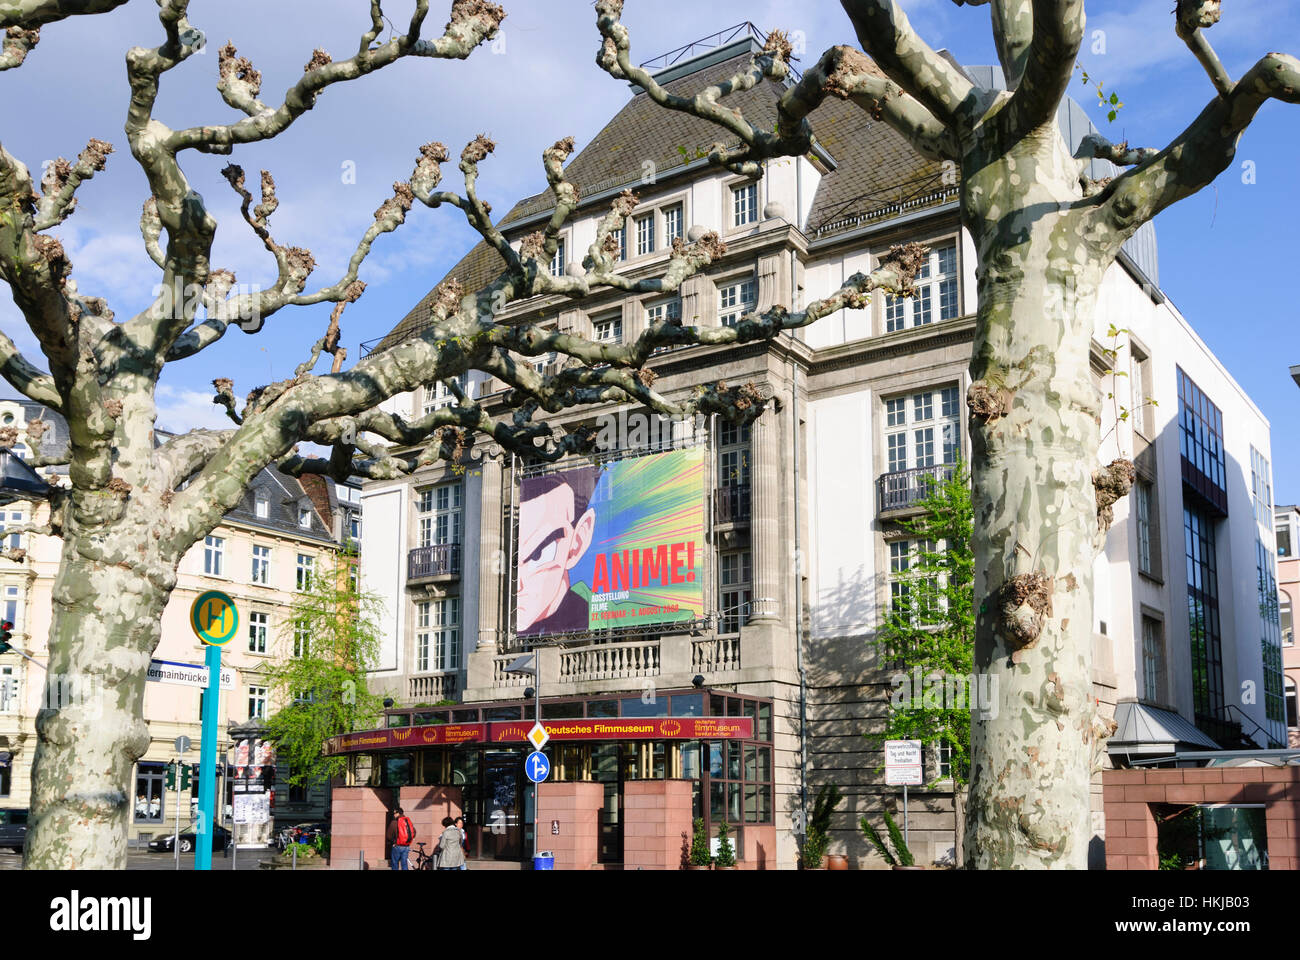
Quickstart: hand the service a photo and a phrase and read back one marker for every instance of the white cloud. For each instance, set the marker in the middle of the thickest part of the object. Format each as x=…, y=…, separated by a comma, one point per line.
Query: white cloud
x=181, y=410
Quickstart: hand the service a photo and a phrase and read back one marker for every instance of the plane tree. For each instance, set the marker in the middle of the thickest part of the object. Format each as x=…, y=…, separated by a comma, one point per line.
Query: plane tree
x=1045, y=233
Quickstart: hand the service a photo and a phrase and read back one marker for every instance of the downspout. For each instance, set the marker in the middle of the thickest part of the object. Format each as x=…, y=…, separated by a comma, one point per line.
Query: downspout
x=798, y=574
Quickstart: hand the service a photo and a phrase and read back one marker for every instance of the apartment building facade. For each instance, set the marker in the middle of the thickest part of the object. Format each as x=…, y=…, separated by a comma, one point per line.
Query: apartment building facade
x=263, y=554
x=802, y=547
x=1287, y=529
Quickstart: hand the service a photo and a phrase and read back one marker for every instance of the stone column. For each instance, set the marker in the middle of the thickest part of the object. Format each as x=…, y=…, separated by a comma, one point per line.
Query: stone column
x=492, y=559
x=764, y=527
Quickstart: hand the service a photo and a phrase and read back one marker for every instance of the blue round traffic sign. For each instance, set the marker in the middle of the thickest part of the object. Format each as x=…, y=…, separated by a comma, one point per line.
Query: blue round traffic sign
x=536, y=766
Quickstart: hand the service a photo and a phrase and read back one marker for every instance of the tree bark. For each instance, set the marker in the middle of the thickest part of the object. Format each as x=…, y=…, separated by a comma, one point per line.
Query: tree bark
x=106, y=625
x=1034, y=433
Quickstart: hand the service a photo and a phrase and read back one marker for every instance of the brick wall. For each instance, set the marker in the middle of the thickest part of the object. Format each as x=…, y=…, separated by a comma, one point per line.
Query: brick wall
x=657, y=824
x=426, y=806
x=1131, y=825
x=576, y=806
x=358, y=821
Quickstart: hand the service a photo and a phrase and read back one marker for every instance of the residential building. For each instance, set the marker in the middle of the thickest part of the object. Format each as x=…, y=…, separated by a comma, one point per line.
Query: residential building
x=263, y=554
x=801, y=542
x=1287, y=530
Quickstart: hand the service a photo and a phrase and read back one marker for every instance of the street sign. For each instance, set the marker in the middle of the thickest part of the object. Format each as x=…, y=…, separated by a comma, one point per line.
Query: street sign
x=252, y=807
x=903, y=763
x=538, y=736
x=214, y=617
x=182, y=744
x=186, y=674
x=536, y=766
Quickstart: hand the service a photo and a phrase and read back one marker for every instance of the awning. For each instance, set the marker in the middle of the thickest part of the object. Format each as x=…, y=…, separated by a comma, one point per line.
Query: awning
x=1145, y=730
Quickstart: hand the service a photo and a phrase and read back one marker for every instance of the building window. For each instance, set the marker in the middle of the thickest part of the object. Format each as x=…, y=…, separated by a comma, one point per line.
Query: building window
x=257, y=703
x=8, y=690
x=354, y=526
x=1285, y=621
x=620, y=237
x=261, y=564
x=1153, y=659
x=1140, y=382
x=257, y=624
x=735, y=582
x=662, y=311
x=609, y=330
x=936, y=285
x=1261, y=488
x=8, y=816
x=306, y=568
x=150, y=788
x=907, y=602
x=1270, y=630
x=1291, y=719
x=1200, y=439
x=304, y=517
x=672, y=224
x=1203, y=614
x=214, y=549
x=261, y=506
x=15, y=518
x=922, y=429
x=1284, y=541
x=437, y=635
x=541, y=363
x=422, y=636
x=13, y=606
x=1148, y=531
x=301, y=638
x=733, y=455
x=645, y=235
x=559, y=261
x=744, y=204
x=735, y=300
x=438, y=395
x=440, y=511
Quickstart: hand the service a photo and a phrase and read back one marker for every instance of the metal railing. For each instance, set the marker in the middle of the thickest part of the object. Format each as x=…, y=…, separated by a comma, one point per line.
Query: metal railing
x=732, y=504
x=436, y=560
x=906, y=488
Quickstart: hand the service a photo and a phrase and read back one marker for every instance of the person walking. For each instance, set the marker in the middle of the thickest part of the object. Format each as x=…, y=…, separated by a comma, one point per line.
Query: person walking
x=464, y=841
x=450, y=849
x=400, y=834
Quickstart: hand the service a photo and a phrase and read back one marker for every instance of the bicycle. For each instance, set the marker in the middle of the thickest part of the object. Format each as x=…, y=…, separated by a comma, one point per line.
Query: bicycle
x=424, y=861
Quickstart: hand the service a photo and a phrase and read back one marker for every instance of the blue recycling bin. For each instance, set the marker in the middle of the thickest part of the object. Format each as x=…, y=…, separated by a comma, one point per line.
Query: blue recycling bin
x=544, y=861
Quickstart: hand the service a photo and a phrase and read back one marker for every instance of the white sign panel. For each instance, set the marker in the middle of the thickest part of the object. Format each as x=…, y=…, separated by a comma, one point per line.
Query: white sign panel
x=252, y=808
x=903, y=763
x=187, y=674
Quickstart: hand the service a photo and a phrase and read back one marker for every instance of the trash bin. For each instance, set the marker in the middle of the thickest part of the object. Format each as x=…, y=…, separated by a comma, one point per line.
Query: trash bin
x=544, y=861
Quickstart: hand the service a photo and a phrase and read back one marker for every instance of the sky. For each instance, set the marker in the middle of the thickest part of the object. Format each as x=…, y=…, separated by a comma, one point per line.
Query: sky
x=1224, y=253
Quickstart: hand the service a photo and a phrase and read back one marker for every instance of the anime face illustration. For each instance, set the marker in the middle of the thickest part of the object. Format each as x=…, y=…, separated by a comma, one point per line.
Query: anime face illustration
x=555, y=529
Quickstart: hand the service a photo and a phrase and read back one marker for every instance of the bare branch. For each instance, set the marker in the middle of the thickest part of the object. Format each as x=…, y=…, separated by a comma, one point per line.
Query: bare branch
x=1094, y=145
x=26, y=377
x=17, y=43
x=1013, y=30
x=1049, y=64
x=1193, y=17
x=61, y=181
x=887, y=36
x=33, y=13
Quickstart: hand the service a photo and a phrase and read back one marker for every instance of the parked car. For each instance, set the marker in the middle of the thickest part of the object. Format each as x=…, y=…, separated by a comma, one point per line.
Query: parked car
x=13, y=829
x=220, y=840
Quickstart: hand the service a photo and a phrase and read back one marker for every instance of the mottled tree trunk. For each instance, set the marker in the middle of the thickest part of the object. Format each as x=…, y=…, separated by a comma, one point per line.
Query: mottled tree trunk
x=1034, y=432
x=106, y=624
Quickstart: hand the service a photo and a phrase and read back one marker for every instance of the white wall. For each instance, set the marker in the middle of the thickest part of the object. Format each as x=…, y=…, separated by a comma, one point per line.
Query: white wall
x=383, y=567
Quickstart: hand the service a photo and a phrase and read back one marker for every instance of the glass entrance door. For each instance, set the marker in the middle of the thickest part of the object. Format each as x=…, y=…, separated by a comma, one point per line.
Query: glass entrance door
x=501, y=812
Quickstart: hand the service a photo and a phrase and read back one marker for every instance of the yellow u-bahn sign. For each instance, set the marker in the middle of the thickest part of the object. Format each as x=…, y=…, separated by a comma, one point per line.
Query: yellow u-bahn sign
x=214, y=618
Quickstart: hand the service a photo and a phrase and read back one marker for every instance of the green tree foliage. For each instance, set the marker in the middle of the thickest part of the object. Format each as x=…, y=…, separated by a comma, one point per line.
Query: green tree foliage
x=726, y=852
x=819, y=825
x=700, y=853
x=930, y=625
x=325, y=648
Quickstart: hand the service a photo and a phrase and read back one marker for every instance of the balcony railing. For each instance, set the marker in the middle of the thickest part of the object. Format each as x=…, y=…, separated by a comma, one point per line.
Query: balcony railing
x=715, y=654
x=431, y=688
x=907, y=488
x=502, y=679
x=438, y=560
x=610, y=661
x=732, y=504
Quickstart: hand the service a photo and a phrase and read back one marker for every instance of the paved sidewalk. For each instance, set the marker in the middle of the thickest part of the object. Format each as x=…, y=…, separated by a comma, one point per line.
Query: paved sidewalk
x=247, y=860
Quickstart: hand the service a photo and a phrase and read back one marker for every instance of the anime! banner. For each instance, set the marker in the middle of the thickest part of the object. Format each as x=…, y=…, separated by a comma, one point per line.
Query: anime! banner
x=619, y=544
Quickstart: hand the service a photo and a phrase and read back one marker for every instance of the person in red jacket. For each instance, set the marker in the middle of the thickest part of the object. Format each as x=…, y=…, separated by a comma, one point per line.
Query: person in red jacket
x=400, y=834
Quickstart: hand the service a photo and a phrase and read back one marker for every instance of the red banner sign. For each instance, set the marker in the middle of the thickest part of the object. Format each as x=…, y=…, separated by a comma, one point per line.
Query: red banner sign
x=612, y=728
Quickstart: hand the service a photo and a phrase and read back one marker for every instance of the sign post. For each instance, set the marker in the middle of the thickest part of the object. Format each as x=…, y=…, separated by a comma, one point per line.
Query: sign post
x=215, y=620
x=903, y=768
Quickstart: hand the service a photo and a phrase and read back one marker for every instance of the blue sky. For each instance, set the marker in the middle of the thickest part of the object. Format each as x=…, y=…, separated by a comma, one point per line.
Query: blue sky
x=1223, y=254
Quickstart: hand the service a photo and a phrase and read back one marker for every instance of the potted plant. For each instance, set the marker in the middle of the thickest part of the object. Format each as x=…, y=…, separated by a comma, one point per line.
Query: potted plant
x=819, y=824
x=700, y=858
x=726, y=858
x=900, y=858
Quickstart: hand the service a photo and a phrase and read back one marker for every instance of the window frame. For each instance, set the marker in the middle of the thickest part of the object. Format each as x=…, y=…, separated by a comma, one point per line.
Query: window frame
x=931, y=299
x=263, y=702
x=751, y=210
x=262, y=564
x=304, y=573
x=734, y=311
x=258, y=631
x=943, y=401
x=214, y=553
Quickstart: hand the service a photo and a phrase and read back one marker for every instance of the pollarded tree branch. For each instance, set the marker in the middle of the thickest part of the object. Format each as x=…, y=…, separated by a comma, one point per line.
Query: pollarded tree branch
x=181, y=456
x=887, y=36
x=1049, y=64
x=1202, y=151
x=1013, y=31
x=26, y=377
x=33, y=13
x=59, y=186
x=16, y=43
x=1095, y=146
x=756, y=145
x=1194, y=17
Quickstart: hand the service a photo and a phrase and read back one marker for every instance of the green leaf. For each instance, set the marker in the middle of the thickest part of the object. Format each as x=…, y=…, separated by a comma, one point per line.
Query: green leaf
x=1114, y=98
x=1111, y=116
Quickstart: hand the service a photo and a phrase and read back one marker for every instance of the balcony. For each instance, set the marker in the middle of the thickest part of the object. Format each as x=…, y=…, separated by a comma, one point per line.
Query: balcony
x=905, y=489
x=732, y=504
x=437, y=560
x=431, y=688
x=610, y=661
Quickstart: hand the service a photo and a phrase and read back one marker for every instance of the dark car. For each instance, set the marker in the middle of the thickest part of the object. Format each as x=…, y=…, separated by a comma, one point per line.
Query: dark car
x=13, y=829
x=220, y=840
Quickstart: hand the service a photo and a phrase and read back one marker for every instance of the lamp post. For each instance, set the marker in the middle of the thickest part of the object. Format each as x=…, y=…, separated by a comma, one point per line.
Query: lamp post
x=528, y=666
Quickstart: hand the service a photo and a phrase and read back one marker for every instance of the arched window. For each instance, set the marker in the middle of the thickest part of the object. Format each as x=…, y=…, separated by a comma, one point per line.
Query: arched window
x=1284, y=616
x=1291, y=719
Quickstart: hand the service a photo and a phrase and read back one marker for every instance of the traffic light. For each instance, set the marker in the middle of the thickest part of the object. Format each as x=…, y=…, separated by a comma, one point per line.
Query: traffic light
x=185, y=777
x=171, y=776
x=6, y=634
